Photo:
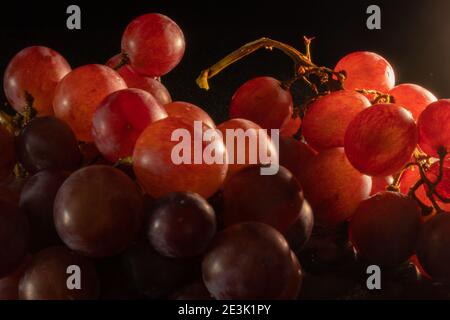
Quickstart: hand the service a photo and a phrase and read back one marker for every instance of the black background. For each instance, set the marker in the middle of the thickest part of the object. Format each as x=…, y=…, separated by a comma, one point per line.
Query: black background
x=414, y=37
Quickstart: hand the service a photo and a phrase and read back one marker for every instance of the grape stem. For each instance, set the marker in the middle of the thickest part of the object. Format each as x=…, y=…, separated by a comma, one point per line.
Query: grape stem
x=303, y=64
x=128, y=161
x=431, y=185
x=124, y=60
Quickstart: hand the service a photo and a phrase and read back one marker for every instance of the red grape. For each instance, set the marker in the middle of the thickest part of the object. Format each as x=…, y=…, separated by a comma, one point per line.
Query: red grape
x=434, y=127
x=154, y=44
x=433, y=247
x=159, y=174
x=34, y=71
x=181, y=225
x=327, y=118
x=154, y=275
x=295, y=155
x=98, y=211
x=279, y=198
x=121, y=118
x=256, y=140
x=135, y=80
x=48, y=143
x=412, y=97
x=380, y=184
x=46, y=277
x=80, y=92
x=300, y=231
x=189, y=112
x=333, y=187
x=36, y=201
x=366, y=70
x=7, y=151
x=385, y=227
x=251, y=261
x=291, y=127
x=14, y=235
x=381, y=139
x=264, y=101
x=9, y=284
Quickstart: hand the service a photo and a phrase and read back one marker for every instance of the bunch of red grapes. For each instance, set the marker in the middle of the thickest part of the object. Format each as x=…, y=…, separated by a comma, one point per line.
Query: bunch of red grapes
x=87, y=180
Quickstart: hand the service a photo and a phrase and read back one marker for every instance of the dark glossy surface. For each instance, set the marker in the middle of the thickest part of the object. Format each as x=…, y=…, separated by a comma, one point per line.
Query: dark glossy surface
x=181, y=225
x=48, y=143
x=46, y=277
x=273, y=199
x=251, y=261
x=36, y=201
x=98, y=211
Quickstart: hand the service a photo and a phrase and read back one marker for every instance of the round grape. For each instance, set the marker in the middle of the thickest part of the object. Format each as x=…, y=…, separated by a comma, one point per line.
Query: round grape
x=272, y=199
x=98, y=211
x=34, y=73
x=80, y=92
x=434, y=128
x=385, y=227
x=47, y=143
x=46, y=277
x=251, y=261
x=327, y=118
x=158, y=173
x=181, y=225
x=154, y=44
x=36, y=201
x=121, y=118
x=366, y=70
x=264, y=101
x=412, y=97
x=333, y=187
x=135, y=80
x=433, y=247
x=380, y=140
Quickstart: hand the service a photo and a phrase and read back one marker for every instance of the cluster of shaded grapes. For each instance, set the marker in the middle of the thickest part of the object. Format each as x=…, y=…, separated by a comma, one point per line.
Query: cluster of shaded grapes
x=87, y=179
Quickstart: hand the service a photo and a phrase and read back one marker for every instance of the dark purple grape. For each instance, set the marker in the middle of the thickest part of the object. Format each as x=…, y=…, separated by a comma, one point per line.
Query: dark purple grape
x=433, y=247
x=46, y=278
x=300, y=231
x=156, y=276
x=251, y=261
x=182, y=224
x=98, y=211
x=9, y=284
x=36, y=201
x=14, y=236
x=48, y=143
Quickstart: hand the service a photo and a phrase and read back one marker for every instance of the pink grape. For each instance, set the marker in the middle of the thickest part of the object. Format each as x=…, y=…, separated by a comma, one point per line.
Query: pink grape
x=154, y=44
x=264, y=101
x=366, y=70
x=34, y=71
x=412, y=97
x=120, y=119
x=434, y=127
x=79, y=94
x=327, y=118
x=380, y=140
x=135, y=80
x=333, y=187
